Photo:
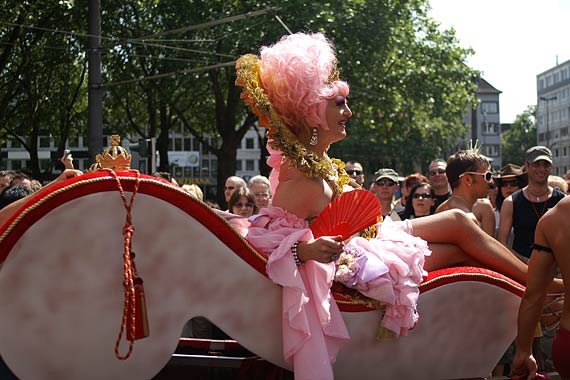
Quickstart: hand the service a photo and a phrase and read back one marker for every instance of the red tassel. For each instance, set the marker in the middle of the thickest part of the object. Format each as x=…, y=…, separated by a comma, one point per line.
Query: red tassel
x=141, y=317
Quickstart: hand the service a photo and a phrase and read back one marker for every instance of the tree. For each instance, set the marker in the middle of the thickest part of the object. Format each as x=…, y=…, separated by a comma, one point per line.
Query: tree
x=169, y=63
x=520, y=136
x=42, y=72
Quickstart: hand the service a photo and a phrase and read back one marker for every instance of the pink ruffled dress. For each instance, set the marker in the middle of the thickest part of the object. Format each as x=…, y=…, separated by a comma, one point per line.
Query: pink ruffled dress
x=389, y=269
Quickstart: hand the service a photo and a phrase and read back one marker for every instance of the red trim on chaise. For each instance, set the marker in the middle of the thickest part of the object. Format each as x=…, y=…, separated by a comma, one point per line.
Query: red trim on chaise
x=55, y=195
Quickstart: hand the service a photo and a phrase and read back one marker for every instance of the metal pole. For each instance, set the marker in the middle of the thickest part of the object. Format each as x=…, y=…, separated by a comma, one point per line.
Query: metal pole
x=95, y=92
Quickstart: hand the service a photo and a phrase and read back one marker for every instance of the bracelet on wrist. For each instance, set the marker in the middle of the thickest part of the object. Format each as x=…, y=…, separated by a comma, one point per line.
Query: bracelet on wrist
x=294, y=251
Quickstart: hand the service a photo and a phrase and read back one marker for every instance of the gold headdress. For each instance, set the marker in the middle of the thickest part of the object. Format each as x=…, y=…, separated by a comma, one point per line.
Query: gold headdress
x=280, y=136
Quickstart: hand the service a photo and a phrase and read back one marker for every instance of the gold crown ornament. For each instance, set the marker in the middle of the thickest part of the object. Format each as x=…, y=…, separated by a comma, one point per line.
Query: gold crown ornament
x=113, y=157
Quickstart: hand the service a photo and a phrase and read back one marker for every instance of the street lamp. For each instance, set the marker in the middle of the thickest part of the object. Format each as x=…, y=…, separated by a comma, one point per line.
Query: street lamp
x=547, y=100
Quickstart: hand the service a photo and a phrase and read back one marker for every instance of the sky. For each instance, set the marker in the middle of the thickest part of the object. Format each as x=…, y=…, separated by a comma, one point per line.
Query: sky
x=514, y=41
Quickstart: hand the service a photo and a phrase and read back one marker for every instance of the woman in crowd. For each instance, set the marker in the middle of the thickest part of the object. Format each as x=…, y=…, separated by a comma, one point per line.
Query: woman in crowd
x=294, y=89
x=420, y=201
x=242, y=203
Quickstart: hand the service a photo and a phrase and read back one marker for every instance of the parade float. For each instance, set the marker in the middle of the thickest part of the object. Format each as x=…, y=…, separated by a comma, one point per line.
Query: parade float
x=99, y=273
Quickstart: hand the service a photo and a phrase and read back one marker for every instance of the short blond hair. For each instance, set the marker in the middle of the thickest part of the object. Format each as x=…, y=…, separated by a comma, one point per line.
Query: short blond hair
x=194, y=190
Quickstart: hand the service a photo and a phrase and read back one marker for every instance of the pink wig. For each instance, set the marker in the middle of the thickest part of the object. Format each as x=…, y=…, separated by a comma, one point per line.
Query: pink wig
x=294, y=74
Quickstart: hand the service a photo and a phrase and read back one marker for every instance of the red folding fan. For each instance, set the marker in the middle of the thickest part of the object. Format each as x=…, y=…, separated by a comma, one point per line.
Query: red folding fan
x=348, y=214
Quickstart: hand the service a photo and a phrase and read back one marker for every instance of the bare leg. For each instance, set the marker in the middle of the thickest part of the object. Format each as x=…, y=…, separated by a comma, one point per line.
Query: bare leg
x=475, y=246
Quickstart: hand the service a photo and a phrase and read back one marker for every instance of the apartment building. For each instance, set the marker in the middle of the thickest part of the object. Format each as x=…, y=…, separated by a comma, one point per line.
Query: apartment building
x=553, y=114
x=485, y=124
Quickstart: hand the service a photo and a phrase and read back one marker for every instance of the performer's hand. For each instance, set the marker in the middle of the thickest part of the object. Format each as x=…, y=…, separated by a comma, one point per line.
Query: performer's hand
x=524, y=367
x=67, y=160
x=324, y=249
x=67, y=174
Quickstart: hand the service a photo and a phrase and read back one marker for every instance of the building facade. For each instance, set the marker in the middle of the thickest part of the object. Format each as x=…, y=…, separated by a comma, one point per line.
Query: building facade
x=189, y=161
x=553, y=114
x=485, y=123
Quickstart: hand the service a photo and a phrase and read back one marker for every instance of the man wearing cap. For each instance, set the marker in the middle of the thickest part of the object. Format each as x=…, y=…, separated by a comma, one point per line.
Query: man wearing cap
x=522, y=209
x=385, y=186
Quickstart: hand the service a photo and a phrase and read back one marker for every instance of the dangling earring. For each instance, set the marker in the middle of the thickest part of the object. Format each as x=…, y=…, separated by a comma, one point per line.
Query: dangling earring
x=314, y=137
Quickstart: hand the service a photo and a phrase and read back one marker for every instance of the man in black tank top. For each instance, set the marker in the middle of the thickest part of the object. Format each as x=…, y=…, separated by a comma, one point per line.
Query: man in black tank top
x=525, y=218
x=525, y=207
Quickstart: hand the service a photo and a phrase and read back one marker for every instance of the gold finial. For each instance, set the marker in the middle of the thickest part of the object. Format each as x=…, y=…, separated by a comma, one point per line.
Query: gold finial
x=113, y=157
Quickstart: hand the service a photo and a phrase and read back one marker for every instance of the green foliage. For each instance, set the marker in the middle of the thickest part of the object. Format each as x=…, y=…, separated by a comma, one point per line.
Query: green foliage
x=409, y=84
x=520, y=136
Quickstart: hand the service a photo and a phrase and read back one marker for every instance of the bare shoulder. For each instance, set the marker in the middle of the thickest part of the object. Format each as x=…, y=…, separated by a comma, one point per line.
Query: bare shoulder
x=303, y=196
x=483, y=205
x=447, y=205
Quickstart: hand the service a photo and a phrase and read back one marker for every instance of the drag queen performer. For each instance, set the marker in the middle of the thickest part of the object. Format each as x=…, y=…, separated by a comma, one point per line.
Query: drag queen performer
x=294, y=89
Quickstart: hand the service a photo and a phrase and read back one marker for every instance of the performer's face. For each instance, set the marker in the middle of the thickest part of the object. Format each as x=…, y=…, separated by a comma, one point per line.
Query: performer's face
x=337, y=114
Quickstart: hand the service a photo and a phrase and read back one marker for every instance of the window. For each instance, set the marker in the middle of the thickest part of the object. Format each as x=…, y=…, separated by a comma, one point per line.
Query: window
x=489, y=128
x=491, y=150
x=541, y=137
x=489, y=107
x=239, y=165
x=249, y=143
x=44, y=142
x=187, y=145
x=177, y=144
x=16, y=164
x=187, y=172
x=249, y=165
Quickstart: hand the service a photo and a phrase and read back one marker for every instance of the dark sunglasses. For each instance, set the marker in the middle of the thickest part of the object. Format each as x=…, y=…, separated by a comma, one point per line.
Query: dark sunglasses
x=229, y=187
x=352, y=172
x=438, y=171
x=488, y=175
x=385, y=182
x=240, y=205
x=511, y=183
x=422, y=196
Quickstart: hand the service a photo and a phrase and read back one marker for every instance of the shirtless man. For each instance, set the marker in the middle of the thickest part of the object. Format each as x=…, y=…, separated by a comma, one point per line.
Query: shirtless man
x=469, y=177
x=551, y=249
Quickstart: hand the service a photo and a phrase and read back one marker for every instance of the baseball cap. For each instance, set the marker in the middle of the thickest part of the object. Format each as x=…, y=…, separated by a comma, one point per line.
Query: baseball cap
x=386, y=173
x=537, y=153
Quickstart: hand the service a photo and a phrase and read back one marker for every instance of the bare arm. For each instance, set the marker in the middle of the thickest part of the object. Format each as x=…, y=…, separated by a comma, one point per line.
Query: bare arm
x=506, y=221
x=307, y=197
x=483, y=211
x=7, y=211
x=541, y=270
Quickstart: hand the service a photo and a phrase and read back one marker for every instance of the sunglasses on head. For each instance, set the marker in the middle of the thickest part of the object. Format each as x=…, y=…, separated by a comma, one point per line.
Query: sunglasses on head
x=438, y=171
x=385, y=182
x=422, y=196
x=488, y=175
x=354, y=172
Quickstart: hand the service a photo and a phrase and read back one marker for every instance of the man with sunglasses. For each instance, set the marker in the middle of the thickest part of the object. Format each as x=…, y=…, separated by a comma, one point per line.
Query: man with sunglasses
x=385, y=186
x=355, y=171
x=469, y=176
x=523, y=208
x=438, y=181
x=232, y=183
